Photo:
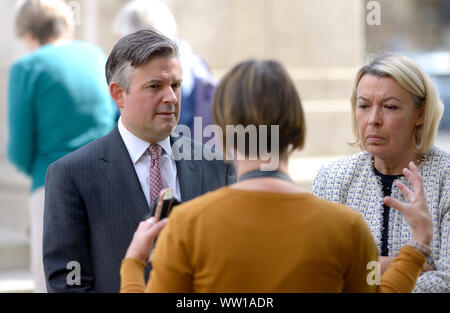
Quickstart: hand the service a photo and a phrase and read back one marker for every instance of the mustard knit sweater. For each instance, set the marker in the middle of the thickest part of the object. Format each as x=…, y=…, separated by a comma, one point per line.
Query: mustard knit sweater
x=234, y=240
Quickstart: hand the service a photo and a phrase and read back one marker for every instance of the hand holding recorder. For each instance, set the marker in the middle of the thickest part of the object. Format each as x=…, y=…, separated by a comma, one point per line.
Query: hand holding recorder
x=163, y=205
x=143, y=239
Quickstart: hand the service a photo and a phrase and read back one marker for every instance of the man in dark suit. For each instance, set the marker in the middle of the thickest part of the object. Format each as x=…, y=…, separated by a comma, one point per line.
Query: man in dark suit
x=96, y=196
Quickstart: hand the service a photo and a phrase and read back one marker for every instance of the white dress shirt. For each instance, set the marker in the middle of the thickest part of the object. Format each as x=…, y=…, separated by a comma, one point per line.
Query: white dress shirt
x=137, y=149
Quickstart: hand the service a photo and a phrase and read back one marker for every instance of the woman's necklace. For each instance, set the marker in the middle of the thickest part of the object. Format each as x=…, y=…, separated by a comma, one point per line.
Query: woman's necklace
x=417, y=161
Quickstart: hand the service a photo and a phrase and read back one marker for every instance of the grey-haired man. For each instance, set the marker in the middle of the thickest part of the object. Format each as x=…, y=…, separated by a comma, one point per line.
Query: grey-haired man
x=97, y=195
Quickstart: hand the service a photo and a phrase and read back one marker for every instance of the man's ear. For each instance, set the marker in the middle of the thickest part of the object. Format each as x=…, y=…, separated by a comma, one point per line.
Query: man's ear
x=117, y=94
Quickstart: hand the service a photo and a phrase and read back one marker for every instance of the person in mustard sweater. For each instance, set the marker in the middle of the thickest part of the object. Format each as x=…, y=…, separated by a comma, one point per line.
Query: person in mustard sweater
x=264, y=233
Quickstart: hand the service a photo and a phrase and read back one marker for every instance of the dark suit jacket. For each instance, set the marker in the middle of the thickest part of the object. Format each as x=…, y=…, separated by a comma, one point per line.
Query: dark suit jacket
x=94, y=203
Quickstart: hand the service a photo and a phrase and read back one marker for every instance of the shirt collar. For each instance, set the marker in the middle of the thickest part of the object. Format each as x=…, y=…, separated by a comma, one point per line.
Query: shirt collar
x=136, y=146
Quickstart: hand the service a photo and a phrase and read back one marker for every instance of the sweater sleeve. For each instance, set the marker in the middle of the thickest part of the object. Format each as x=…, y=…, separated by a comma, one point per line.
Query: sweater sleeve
x=172, y=271
x=21, y=118
x=402, y=274
x=363, y=274
x=132, y=272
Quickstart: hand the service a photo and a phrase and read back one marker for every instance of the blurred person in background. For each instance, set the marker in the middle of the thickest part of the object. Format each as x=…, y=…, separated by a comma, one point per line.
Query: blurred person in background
x=264, y=233
x=396, y=112
x=58, y=101
x=198, y=86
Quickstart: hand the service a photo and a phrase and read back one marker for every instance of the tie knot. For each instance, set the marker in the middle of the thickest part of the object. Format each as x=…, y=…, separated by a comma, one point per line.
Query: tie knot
x=155, y=151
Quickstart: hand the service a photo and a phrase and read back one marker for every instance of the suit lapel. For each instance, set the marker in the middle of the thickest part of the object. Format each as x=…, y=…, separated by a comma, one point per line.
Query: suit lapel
x=120, y=173
x=188, y=177
x=187, y=171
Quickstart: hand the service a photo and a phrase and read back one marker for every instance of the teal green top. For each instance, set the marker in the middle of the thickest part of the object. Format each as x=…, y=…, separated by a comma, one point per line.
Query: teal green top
x=58, y=102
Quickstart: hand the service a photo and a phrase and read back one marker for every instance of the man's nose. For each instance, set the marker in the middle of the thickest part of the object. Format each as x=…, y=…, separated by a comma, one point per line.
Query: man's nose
x=376, y=116
x=170, y=95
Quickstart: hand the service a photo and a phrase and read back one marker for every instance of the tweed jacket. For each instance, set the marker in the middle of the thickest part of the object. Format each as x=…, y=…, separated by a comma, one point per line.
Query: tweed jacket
x=352, y=181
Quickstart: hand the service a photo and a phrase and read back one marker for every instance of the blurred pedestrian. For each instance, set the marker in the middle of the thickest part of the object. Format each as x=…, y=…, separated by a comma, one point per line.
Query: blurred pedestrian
x=58, y=101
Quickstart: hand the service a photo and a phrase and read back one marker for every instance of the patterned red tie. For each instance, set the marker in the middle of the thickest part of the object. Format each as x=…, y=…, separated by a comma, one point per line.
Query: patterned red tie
x=157, y=181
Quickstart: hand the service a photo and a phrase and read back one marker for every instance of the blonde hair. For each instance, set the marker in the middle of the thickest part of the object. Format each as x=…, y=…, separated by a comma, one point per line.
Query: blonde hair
x=43, y=19
x=413, y=79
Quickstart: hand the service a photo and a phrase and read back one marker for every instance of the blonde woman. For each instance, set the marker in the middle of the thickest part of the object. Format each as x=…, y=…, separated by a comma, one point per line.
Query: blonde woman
x=396, y=112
